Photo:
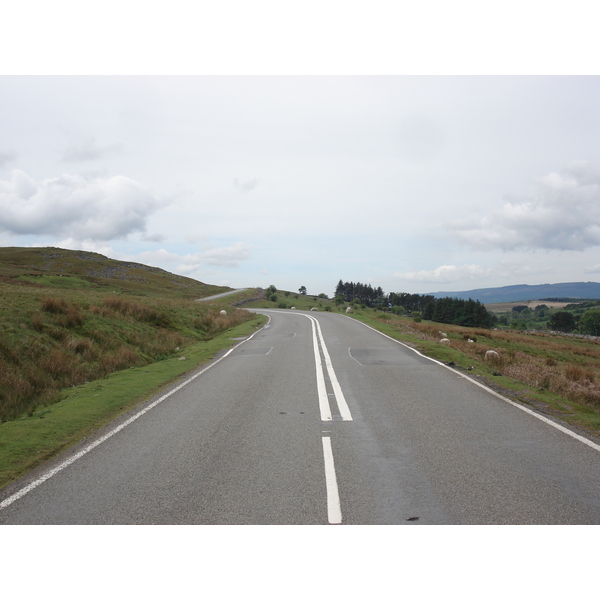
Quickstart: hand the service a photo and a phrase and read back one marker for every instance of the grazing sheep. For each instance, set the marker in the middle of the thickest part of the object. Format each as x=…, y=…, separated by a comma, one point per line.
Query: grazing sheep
x=314, y=308
x=445, y=341
x=491, y=355
x=349, y=310
x=442, y=334
x=223, y=312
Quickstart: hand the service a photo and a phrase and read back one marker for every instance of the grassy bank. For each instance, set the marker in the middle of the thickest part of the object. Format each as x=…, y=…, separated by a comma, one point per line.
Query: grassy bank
x=52, y=339
x=27, y=441
x=83, y=336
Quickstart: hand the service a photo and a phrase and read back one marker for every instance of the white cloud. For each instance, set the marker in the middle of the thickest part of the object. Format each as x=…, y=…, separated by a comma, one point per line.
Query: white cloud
x=230, y=256
x=445, y=274
x=245, y=186
x=155, y=237
x=593, y=269
x=85, y=148
x=82, y=208
x=6, y=157
x=196, y=239
x=563, y=215
x=227, y=257
x=88, y=246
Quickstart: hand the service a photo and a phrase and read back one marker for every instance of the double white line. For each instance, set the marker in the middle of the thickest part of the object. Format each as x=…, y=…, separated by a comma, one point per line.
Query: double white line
x=334, y=509
x=323, y=365
x=320, y=347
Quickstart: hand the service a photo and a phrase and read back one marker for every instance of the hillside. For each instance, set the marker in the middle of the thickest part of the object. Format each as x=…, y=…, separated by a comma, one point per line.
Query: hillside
x=76, y=269
x=70, y=317
x=518, y=293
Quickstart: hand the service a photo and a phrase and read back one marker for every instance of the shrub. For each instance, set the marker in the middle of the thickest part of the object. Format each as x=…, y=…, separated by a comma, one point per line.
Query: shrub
x=66, y=314
x=61, y=366
x=123, y=358
x=134, y=311
x=37, y=322
x=54, y=305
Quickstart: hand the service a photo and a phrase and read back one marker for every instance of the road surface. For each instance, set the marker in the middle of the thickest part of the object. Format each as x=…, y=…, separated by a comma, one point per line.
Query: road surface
x=319, y=419
x=222, y=295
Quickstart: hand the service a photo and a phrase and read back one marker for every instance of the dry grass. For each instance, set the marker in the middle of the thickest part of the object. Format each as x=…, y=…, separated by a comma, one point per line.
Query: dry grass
x=566, y=366
x=48, y=343
x=66, y=314
x=135, y=311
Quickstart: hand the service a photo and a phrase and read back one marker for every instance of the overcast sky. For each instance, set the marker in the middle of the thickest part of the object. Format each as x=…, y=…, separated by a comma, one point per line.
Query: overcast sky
x=412, y=183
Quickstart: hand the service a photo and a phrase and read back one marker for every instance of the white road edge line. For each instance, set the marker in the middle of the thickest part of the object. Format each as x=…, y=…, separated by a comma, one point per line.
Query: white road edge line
x=28, y=488
x=334, y=511
x=550, y=422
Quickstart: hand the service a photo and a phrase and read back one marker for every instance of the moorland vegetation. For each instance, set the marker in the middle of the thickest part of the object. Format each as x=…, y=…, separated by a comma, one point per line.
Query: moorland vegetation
x=70, y=317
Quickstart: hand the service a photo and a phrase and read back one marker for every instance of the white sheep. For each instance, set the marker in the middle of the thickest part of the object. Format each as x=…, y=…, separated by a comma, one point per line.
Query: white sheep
x=491, y=355
x=442, y=334
x=223, y=312
x=470, y=341
x=293, y=308
x=314, y=308
x=349, y=310
x=445, y=341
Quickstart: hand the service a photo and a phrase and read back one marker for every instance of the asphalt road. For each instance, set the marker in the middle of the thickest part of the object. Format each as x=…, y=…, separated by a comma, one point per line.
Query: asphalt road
x=318, y=419
x=222, y=295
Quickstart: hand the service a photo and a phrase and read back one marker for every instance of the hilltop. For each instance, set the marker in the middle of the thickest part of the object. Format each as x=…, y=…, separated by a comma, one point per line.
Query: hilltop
x=77, y=269
x=519, y=293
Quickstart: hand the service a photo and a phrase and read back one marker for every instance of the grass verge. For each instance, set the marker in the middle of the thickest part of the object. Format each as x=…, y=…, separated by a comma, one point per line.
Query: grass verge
x=26, y=442
x=555, y=375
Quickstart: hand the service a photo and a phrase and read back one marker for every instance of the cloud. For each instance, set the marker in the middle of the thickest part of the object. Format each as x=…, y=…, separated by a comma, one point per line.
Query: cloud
x=420, y=138
x=85, y=148
x=82, y=208
x=6, y=157
x=155, y=237
x=245, y=186
x=445, y=274
x=593, y=269
x=227, y=257
x=98, y=247
x=195, y=238
x=563, y=215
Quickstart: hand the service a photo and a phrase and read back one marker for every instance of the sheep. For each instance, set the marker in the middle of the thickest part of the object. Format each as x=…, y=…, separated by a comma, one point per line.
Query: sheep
x=349, y=310
x=445, y=341
x=443, y=334
x=293, y=308
x=470, y=341
x=223, y=312
x=491, y=355
x=314, y=308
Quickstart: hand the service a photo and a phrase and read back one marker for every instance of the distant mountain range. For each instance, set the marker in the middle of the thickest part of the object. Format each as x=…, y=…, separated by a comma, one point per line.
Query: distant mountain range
x=518, y=293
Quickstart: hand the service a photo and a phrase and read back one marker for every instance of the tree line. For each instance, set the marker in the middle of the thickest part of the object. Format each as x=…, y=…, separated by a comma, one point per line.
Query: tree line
x=468, y=313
